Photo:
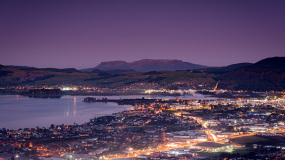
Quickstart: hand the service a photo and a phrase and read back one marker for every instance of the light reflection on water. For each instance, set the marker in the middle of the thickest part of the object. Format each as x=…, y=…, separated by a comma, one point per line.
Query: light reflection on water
x=74, y=106
x=22, y=112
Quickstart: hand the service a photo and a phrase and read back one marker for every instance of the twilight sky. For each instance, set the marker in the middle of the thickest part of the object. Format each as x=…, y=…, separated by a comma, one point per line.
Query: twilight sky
x=83, y=33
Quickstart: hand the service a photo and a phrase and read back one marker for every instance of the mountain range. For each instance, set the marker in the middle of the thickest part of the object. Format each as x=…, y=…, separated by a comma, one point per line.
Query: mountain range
x=267, y=74
x=146, y=65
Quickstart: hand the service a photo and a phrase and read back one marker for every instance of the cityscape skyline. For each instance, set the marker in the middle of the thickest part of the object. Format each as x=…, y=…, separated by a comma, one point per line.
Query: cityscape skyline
x=65, y=34
x=144, y=79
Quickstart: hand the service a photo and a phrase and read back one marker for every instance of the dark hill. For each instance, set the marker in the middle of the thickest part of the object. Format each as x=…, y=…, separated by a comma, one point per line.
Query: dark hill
x=267, y=74
x=274, y=63
x=27, y=68
x=67, y=70
x=147, y=65
x=15, y=76
x=226, y=69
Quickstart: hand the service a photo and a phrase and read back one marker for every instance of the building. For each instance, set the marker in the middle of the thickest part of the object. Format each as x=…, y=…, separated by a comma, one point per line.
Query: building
x=214, y=147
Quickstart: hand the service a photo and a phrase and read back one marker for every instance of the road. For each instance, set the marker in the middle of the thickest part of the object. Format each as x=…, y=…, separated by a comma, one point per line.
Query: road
x=164, y=147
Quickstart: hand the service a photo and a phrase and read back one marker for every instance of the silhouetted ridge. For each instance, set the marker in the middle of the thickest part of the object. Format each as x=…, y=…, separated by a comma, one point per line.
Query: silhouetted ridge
x=113, y=65
x=147, y=65
x=267, y=74
x=274, y=63
x=226, y=69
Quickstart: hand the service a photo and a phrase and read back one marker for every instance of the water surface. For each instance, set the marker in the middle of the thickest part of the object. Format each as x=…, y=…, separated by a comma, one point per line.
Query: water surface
x=23, y=112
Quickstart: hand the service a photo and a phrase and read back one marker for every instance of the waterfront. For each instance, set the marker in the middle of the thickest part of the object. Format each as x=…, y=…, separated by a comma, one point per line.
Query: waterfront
x=21, y=112
x=24, y=112
x=176, y=128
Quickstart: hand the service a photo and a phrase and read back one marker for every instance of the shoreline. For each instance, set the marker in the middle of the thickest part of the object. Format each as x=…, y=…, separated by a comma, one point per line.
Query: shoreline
x=42, y=112
x=115, y=97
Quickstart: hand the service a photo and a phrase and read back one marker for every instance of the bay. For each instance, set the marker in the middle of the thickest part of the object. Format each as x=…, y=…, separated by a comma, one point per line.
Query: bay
x=23, y=112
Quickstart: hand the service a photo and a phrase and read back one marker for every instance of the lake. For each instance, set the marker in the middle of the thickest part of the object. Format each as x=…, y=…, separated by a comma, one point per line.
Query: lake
x=23, y=112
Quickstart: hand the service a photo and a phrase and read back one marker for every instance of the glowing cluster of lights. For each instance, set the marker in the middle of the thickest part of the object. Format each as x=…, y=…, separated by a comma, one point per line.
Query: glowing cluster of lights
x=69, y=89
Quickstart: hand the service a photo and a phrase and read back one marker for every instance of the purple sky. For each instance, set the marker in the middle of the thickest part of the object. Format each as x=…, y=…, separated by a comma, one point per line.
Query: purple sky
x=83, y=33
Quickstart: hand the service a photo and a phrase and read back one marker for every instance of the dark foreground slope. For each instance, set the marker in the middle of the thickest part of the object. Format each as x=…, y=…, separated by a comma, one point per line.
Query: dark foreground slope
x=14, y=76
x=267, y=74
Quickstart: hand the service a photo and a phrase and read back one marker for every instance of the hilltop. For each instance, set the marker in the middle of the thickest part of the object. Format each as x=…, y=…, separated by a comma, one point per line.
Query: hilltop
x=267, y=74
x=147, y=65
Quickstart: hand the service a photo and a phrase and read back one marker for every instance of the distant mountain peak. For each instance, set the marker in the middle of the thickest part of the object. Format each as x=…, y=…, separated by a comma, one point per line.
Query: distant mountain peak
x=146, y=65
x=113, y=65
